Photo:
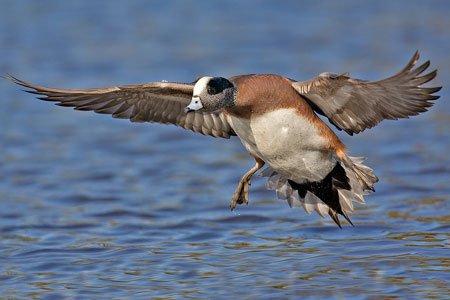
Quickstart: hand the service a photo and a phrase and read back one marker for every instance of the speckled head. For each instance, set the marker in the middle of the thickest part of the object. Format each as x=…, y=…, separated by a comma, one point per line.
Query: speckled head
x=212, y=93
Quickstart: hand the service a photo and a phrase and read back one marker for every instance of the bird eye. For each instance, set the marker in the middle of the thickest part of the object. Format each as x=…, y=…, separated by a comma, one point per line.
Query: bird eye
x=196, y=101
x=211, y=90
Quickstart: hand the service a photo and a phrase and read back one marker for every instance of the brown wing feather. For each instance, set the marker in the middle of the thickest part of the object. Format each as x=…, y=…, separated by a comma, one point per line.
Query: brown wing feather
x=160, y=102
x=354, y=105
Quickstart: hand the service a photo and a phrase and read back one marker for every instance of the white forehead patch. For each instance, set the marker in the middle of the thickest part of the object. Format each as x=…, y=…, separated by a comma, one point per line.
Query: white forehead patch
x=200, y=85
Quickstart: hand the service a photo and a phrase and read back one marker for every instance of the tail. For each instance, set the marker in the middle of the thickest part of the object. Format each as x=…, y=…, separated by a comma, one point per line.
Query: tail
x=349, y=181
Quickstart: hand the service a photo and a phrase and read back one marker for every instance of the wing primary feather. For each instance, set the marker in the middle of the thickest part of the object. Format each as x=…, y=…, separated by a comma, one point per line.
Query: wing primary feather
x=354, y=105
x=420, y=68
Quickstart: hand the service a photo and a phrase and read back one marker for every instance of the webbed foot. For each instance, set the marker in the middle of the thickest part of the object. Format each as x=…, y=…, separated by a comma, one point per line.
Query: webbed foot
x=240, y=196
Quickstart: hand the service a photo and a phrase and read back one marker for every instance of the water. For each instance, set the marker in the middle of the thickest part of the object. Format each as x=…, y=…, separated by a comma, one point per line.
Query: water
x=97, y=208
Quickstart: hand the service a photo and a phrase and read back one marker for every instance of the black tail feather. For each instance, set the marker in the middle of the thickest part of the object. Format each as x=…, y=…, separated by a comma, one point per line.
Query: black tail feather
x=335, y=217
x=327, y=191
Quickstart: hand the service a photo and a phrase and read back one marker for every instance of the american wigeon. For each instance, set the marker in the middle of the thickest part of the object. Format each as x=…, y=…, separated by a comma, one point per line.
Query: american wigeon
x=275, y=119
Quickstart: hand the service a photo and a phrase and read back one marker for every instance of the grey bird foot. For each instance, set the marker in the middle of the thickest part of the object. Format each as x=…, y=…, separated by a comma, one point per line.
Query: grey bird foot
x=240, y=196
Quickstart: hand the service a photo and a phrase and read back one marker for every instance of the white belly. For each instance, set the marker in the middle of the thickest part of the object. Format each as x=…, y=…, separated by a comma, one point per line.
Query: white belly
x=288, y=143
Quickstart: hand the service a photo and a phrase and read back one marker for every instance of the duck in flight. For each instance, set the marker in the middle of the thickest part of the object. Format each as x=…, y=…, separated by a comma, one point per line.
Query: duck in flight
x=276, y=120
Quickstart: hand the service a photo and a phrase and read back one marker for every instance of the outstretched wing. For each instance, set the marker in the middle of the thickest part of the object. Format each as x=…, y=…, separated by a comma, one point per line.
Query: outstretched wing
x=354, y=105
x=160, y=102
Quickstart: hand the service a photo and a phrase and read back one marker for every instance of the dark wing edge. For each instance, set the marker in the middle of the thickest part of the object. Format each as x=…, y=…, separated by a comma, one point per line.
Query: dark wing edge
x=156, y=102
x=354, y=105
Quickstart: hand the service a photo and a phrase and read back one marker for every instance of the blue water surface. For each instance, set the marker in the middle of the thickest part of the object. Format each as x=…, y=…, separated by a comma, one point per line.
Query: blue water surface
x=98, y=208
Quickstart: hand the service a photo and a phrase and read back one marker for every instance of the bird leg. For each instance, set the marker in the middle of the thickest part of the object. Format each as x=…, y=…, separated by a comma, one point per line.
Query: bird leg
x=241, y=194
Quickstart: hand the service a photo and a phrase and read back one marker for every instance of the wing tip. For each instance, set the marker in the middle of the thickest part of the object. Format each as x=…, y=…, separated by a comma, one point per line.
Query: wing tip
x=14, y=79
x=31, y=88
x=416, y=55
x=413, y=61
x=432, y=98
